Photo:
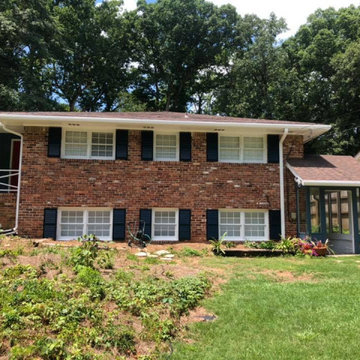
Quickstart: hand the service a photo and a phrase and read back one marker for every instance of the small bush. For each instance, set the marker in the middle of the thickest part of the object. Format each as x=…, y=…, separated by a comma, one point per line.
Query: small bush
x=187, y=251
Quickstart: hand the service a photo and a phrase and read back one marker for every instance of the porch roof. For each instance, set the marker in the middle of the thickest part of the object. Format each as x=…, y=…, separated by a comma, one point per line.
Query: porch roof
x=325, y=170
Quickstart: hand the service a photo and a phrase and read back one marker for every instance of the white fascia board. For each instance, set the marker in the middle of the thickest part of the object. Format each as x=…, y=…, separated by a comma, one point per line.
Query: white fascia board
x=308, y=131
x=331, y=183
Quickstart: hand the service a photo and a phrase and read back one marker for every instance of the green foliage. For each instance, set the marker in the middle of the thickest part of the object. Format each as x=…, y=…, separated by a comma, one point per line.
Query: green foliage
x=69, y=318
x=288, y=245
x=217, y=245
x=85, y=254
x=187, y=251
x=105, y=259
x=11, y=253
x=270, y=245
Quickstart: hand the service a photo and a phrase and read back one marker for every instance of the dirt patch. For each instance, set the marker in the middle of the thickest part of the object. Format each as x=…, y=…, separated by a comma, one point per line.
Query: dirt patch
x=287, y=276
x=199, y=314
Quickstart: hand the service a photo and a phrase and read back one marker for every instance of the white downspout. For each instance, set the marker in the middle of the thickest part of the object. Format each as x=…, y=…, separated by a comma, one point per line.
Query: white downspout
x=19, y=176
x=282, y=188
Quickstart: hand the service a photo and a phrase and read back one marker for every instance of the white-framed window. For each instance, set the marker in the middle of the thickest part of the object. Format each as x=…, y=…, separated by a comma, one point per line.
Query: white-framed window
x=88, y=144
x=242, y=149
x=165, y=224
x=166, y=146
x=241, y=225
x=75, y=222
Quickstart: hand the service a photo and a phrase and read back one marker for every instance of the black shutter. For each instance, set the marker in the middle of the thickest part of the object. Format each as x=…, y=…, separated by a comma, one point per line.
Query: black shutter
x=185, y=146
x=54, y=142
x=211, y=146
x=147, y=143
x=122, y=144
x=50, y=221
x=184, y=224
x=273, y=149
x=275, y=224
x=119, y=224
x=212, y=224
x=145, y=215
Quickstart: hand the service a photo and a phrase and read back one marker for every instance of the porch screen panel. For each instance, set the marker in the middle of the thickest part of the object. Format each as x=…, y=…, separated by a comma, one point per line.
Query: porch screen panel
x=315, y=210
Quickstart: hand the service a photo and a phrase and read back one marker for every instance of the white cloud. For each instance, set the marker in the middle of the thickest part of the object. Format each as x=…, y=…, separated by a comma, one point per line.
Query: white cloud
x=295, y=12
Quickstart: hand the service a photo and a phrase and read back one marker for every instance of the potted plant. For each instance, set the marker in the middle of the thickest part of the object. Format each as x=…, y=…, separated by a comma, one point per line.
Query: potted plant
x=322, y=248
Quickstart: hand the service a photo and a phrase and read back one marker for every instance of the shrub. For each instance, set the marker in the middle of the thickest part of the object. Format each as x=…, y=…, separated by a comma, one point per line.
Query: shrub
x=85, y=254
x=187, y=251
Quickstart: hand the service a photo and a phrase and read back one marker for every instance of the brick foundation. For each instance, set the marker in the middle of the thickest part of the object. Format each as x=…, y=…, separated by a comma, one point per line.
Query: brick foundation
x=133, y=184
x=7, y=210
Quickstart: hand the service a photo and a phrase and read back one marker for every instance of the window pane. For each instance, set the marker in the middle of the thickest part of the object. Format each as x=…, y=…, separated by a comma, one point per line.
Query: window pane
x=165, y=147
x=230, y=223
x=99, y=223
x=230, y=148
x=72, y=224
x=165, y=224
x=254, y=225
x=102, y=144
x=253, y=148
x=76, y=143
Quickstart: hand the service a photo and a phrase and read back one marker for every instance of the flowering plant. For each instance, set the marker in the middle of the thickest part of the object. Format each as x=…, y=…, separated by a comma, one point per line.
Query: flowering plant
x=318, y=248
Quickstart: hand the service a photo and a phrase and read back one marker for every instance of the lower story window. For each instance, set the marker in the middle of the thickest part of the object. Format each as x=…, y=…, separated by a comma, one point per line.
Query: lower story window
x=165, y=224
x=243, y=225
x=73, y=223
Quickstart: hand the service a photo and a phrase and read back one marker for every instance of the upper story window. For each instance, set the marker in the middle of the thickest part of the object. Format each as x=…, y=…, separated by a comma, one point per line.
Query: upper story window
x=88, y=145
x=243, y=224
x=166, y=147
x=242, y=149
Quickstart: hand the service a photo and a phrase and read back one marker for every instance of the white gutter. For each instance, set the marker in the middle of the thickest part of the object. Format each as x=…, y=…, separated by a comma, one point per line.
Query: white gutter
x=282, y=189
x=329, y=183
x=19, y=176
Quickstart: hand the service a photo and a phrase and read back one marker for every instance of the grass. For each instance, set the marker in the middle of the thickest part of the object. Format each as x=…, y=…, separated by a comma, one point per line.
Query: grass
x=315, y=314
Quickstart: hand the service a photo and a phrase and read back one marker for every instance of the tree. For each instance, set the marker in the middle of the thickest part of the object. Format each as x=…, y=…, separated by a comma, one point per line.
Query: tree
x=175, y=40
x=26, y=34
x=89, y=63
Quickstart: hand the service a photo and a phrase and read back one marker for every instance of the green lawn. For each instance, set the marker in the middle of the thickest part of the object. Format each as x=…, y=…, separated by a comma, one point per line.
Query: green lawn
x=261, y=316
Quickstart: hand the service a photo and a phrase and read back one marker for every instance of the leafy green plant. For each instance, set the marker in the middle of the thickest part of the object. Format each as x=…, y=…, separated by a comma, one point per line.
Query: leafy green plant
x=287, y=245
x=217, y=245
x=105, y=260
x=230, y=244
x=85, y=254
x=187, y=251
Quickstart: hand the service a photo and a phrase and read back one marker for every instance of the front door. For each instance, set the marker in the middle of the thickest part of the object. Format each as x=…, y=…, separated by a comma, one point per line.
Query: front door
x=339, y=221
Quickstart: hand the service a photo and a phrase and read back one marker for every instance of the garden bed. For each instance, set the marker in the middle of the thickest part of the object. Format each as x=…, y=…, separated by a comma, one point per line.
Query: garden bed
x=246, y=252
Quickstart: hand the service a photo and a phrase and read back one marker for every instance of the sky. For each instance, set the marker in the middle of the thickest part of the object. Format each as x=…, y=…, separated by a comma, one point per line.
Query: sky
x=294, y=12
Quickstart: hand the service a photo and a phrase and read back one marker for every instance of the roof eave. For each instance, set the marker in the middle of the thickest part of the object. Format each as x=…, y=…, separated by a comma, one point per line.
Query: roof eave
x=308, y=131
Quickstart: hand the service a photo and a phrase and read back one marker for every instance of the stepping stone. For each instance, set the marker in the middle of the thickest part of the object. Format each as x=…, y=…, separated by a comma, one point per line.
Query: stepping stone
x=152, y=256
x=170, y=256
x=167, y=259
x=141, y=254
x=162, y=252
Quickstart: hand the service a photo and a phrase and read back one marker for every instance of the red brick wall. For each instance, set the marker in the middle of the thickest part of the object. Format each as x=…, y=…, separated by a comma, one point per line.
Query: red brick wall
x=134, y=184
x=292, y=149
x=7, y=210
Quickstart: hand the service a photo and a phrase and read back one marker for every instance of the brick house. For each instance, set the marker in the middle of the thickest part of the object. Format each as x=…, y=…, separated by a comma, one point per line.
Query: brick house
x=189, y=177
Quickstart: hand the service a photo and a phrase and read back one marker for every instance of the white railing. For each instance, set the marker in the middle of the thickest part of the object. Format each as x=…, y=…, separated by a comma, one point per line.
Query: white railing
x=7, y=175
